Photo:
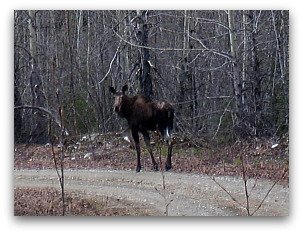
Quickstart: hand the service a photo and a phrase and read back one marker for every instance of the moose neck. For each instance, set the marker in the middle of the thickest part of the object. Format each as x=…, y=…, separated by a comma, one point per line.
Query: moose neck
x=126, y=107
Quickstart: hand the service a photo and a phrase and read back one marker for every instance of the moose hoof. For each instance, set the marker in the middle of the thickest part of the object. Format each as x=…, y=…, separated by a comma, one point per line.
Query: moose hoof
x=138, y=169
x=155, y=167
x=167, y=167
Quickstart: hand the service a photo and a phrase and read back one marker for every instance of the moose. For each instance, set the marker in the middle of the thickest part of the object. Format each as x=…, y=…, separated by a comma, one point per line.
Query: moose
x=144, y=115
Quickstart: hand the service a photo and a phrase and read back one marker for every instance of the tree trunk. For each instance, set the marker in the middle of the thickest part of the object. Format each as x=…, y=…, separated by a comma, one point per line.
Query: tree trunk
x=71, y=67
x=39, y=126
x=184, y=73
x=17, y=114
x=236, y=72
x=142, y=34
x=256, y=81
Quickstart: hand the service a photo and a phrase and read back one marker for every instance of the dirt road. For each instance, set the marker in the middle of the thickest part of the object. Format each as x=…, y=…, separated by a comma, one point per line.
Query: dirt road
x=184, y=194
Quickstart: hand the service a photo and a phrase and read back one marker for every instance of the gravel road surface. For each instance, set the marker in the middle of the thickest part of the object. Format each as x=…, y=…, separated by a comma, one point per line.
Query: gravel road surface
x=184, y=194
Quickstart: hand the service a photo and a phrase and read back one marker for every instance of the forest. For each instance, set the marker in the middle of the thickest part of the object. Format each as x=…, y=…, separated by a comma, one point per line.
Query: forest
x=226, y=72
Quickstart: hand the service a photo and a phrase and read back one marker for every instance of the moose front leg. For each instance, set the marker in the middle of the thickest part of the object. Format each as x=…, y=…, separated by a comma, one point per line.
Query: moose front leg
x=135, y=136
x=149, y=148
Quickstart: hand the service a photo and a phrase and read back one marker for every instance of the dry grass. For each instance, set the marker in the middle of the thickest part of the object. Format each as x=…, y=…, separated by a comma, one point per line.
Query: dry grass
x=47, y=202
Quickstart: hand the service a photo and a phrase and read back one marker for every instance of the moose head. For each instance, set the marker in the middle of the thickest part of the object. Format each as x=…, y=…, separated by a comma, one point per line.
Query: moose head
x=119, y=97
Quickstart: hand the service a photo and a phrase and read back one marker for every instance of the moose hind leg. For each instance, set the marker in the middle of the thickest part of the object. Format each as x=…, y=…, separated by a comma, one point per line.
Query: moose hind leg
x=147, y=142
x=168, y=165
x=166, y=134
x=135, y=136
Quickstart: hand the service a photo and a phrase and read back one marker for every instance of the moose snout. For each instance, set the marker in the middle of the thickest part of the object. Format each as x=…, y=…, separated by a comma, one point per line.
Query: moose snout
x=116, y=108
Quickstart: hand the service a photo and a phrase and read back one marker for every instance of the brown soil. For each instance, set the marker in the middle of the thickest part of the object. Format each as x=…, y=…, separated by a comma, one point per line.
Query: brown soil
x=111, y=152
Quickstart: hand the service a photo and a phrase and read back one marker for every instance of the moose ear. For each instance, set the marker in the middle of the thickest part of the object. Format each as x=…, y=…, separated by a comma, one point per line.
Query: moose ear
x=112, y=89
x=124, y=88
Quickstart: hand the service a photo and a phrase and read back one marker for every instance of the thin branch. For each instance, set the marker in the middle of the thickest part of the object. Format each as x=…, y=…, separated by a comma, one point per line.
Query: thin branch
x=245, y=185
x=220, y=121
x=271, y=188
x=252, y=188
x=46, y=111
x=201, y=99
x=156, y=48
x=61, y=154
x=177, y=49
x=224, y=189
x=222, y=54
x=164, y=194
x=211, y=21
x=53, y=152
x=111, y=63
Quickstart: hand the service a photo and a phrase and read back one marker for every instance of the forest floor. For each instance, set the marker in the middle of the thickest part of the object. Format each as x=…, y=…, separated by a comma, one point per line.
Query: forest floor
x=101, y=178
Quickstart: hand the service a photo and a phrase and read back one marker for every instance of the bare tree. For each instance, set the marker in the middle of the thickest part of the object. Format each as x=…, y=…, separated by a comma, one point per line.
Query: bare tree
x=226, y=71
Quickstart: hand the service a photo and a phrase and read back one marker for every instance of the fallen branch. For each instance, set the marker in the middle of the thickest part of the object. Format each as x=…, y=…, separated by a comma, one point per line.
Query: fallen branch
x=46, y=111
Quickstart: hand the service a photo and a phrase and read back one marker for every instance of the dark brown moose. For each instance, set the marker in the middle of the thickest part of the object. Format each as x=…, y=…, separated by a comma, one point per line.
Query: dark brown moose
x=142, y=116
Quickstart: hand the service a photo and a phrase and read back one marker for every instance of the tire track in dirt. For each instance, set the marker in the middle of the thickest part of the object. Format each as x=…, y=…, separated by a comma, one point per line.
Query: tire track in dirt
x=186, y=194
